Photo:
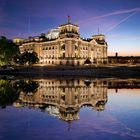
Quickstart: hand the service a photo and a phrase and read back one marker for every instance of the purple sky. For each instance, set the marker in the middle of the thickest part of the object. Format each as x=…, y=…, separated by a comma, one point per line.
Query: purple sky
x=119, y=20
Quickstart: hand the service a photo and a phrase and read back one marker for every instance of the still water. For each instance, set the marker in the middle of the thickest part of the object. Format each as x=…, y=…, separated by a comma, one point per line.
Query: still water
x=70, y=109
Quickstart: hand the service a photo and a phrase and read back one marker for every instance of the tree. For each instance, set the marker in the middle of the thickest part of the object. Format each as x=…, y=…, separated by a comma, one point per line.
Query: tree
x=10, y=91
x=8, y=51
x=27, y=86
x=28, y=58
x=8, y=94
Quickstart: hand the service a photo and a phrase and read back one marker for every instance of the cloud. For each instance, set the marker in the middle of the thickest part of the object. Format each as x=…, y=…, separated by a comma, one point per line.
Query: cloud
x=123, y=20
x=119, y=12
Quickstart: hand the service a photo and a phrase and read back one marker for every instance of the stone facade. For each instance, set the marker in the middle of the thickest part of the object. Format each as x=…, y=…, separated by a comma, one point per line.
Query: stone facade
x=64, y=46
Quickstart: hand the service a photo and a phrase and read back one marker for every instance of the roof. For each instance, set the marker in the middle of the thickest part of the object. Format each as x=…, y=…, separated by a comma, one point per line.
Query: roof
x=69, y=24
x=98, y=35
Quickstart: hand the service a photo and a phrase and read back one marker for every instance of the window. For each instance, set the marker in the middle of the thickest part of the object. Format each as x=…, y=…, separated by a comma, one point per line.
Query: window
x=63, y=89
x=63, y=55
x=63, y=47
x=76, y=47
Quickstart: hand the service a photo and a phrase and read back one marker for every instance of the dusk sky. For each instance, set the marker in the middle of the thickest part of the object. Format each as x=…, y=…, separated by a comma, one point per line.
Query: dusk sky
x=118, y=20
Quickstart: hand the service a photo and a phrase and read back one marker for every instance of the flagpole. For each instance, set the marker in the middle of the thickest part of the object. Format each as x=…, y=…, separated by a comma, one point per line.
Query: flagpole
x=69, y=18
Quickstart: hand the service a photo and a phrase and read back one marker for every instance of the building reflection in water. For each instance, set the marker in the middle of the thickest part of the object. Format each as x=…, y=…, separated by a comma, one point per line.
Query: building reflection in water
x=64, y=98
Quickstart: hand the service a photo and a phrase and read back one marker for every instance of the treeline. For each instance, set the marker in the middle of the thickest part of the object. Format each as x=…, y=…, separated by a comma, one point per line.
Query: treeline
x=10, y=91
x=10, y=54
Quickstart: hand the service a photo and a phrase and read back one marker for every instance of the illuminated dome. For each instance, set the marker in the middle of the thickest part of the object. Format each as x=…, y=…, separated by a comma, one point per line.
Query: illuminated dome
x=53, y=34
x=52, y=110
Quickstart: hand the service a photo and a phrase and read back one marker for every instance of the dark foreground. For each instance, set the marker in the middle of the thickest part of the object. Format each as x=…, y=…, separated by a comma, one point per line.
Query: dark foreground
x=104, y=72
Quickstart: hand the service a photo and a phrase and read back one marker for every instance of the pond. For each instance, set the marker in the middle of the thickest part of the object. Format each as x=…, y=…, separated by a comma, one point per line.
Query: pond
x=69, y=109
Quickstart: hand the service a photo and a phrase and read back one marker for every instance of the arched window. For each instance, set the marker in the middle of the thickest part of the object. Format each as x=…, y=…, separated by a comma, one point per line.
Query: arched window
x=63, y=47
x=76, y=47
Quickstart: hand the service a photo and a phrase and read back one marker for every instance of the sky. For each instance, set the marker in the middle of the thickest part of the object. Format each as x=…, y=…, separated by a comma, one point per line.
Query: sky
x=118, y=20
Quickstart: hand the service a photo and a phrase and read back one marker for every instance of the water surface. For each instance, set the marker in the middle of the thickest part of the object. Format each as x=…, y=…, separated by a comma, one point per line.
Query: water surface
x=72, y=109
